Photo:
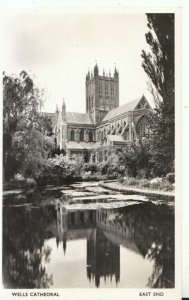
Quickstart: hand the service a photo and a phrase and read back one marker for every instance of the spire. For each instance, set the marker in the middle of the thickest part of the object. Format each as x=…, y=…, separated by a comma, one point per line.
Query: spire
x=96, y=70
x=116, y=74
x=103, y=72
x=63, y=110
x=88, y=75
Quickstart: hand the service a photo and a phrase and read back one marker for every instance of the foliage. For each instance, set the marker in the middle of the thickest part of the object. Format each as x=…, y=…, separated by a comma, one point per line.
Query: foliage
x=86, y=155
x=45, y=126
x=163, y=185
x=90, y=167
x=24, y=252
x=159, y=66
x=21, y=100
x=58, y=170
x=103, y=167
x=159, y=63
x=24, y=146
x=170, y=177
x=134, y=160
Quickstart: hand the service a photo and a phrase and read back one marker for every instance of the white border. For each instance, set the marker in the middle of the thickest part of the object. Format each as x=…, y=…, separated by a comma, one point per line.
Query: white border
x=42, y=6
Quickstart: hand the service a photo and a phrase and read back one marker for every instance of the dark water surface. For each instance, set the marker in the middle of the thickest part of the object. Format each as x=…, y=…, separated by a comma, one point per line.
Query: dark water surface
x=68, y=238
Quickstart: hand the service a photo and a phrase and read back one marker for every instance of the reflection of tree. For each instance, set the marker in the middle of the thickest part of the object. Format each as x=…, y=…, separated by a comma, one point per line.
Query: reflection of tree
x=151, y=228
x=24, y=232
x=156, y=227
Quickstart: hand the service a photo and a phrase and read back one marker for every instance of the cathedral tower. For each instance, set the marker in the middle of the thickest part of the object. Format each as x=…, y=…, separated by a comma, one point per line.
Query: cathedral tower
x=102, y=93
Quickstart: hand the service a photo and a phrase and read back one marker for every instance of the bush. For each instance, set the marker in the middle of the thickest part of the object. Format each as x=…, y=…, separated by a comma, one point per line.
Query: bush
x=131, y=181
x=144, y=183
x=120, y=178
x=170, y=177
x=166, y=186
x=162, y=185
x=90, y=167
x=113, y=176
x=155, y=186
x=103, y=167
x=121, y=170
x=57, y=171
x=94, y=177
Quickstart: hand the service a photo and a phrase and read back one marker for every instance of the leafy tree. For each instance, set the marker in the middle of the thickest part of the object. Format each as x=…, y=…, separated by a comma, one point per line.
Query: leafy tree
x=159, y=66
x=159, y=63
x=45, y=126
x=22, y=139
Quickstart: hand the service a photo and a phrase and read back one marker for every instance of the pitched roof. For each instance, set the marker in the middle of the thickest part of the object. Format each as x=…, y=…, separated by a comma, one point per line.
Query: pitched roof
x=80, y=145
x=115, y=138
x=122, y=109
x=78, y=118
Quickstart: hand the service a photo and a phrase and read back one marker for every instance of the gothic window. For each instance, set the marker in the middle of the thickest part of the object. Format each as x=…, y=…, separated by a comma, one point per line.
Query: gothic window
x=72, y=135
x=142, y=127
x=127, y=135
x=100, y=88
x=106, y=87
x=81, y=135
x=112, y=89
x=90, y=136
x=102, y=136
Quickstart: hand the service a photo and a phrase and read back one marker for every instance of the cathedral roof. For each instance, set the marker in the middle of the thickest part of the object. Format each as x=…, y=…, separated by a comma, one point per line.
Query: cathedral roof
x=78, y=118
x=115, y=138
x=123, y=109
x=80, y=146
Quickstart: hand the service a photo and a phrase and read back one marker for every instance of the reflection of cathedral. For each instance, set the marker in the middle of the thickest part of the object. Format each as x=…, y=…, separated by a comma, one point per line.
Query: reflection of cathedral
x=103, y=258
x=133, y=227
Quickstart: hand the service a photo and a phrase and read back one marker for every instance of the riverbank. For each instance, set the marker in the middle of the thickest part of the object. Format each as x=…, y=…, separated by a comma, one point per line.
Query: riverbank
x=115, y=186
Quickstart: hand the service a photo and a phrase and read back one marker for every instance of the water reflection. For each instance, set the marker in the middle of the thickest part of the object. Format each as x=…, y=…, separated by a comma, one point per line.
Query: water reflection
x=24, y=232
x=103, y=258
x=142, y=231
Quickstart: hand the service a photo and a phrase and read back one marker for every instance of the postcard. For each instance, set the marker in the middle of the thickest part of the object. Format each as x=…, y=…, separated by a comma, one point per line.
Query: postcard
x=91, y=123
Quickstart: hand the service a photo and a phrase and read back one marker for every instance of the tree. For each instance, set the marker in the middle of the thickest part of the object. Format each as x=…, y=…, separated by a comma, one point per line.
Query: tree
x=45, y=126
x=21, y=123
x=159, y=66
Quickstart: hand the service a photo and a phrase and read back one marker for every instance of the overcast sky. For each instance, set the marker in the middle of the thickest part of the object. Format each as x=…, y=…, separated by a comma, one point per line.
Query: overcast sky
x=60, y=48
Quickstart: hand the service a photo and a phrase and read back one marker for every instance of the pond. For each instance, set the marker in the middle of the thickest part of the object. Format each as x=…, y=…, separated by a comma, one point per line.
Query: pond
x=82, y=236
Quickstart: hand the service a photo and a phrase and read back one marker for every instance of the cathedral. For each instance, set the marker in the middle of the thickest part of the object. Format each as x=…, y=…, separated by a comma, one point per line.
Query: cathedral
x=104, y=123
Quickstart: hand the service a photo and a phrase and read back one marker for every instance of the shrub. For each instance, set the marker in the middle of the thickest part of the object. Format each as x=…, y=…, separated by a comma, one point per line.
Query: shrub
x=113, y=175
x=170, y=177
x=166, y=186
x=103, y=167
x=121, y=170
x=131, y=181
x=120, y=178
x=56, y=171
x=144, y=183
x=155, y=185
x=90, y=167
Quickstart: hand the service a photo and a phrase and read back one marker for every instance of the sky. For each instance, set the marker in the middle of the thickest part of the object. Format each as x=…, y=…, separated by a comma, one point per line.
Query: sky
x=60, y=48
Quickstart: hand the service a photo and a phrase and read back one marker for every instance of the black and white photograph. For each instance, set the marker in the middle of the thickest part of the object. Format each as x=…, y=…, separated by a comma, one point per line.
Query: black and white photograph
x=88, y=168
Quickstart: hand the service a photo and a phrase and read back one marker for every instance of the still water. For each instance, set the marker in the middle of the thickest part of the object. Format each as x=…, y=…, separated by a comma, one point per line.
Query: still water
x=80, y=236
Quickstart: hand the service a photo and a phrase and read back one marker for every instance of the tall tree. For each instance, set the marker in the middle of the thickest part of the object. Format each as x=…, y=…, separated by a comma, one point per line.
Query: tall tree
x=21, y=122
x=159, y=64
